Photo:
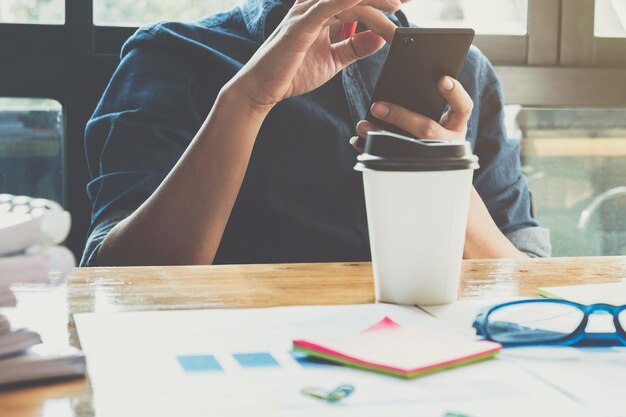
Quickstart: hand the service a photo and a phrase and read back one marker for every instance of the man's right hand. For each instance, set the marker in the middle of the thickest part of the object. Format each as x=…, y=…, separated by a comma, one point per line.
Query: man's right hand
x=300, y=56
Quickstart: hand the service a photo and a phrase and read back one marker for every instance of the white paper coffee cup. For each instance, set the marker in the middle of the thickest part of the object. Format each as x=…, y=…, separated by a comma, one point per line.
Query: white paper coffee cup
x=417, y=197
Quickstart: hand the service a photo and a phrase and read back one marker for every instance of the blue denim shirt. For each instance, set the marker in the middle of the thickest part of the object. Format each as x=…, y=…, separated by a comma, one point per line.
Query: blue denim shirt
x=301, y=200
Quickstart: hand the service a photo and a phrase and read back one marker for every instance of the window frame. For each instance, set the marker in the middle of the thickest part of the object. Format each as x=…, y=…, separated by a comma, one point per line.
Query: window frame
x=580, y=46
x=537, y=47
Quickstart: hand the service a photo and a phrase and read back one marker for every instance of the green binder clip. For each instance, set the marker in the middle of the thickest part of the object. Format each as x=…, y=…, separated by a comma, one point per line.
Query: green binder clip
x=334, y=396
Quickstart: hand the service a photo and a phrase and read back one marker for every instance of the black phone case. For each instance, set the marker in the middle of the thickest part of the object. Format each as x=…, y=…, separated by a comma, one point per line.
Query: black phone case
x=416, y=60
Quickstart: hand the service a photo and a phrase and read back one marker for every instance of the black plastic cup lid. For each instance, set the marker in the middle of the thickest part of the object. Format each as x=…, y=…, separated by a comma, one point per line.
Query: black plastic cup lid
x=387, y=151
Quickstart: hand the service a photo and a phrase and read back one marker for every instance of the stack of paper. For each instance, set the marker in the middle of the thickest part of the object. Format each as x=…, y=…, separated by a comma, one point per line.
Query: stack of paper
x=613, y=293
x=404, y=352
x=28, y=255
x=41, y=363
x=16, y=341
x=7, y=299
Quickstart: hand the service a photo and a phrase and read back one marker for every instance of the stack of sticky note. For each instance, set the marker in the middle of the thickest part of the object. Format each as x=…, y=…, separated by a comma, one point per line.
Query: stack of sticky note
x=403, y=352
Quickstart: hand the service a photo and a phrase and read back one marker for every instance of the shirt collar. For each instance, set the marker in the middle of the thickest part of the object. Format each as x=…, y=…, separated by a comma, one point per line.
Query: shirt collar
x=257, y=12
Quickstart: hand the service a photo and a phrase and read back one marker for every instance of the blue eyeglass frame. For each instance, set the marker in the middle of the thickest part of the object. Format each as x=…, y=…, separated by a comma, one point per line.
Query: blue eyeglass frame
x=578, y=337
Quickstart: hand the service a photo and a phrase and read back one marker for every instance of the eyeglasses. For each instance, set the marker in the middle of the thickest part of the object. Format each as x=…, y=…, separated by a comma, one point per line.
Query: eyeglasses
x=552, y=322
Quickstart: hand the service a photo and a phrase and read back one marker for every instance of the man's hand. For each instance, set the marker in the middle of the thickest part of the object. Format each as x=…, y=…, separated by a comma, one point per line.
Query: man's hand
x=452, y=126
x=300, y=56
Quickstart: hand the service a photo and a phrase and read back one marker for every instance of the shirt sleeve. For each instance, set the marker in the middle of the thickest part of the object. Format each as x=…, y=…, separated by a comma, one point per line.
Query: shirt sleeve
x=98, y=232
x=145, y=120
x=533, y=241
x=499, y=181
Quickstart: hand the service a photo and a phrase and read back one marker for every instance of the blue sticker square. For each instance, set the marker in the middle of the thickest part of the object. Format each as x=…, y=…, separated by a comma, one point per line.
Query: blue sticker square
x=307, y=361
x=256, y=360
x=199, y=363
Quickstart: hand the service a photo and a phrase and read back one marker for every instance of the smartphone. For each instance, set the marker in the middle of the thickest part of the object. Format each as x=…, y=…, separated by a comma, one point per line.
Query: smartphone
x=416, y=61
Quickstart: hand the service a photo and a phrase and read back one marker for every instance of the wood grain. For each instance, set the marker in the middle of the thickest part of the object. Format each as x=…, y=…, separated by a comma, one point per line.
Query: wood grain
x=237, y=286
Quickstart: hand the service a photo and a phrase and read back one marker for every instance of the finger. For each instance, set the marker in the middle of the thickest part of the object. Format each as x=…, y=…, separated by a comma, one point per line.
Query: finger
x=460, y=103
x=364, y=127
x=302, y=6
x=372, y=18
x=316, y=13
x=357, y=47
x=385, y=5
x=305, y=21
x=354, y=141
x=416, y=124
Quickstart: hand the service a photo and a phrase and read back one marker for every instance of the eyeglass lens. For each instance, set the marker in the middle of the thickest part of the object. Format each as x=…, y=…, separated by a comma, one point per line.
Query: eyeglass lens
x=534, y=322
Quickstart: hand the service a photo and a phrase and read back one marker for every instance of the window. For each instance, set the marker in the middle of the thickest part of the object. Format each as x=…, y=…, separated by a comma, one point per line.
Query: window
x=575, y=163
x=502, y=17
x=610, y=18
x=32, y=11
x=502, y=26
x=31, y=151
x=137, y=13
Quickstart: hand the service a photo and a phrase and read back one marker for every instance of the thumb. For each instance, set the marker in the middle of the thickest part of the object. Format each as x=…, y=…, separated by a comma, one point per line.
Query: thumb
x=357, y=47
x=460, y=102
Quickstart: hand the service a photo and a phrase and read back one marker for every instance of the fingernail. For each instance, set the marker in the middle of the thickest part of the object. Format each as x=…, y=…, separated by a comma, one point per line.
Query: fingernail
x=380, y=109
x=361, y=130
x=447, y=84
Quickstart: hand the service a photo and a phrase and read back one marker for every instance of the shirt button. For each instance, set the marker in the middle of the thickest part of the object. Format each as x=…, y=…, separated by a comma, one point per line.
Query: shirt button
x=350, y=72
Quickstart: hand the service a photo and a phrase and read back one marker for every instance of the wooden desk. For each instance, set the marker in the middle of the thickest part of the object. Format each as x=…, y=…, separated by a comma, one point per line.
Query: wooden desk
x=162, y=288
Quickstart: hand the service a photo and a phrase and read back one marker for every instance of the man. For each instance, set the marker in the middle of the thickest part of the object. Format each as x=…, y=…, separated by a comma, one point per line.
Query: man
x=226, y=141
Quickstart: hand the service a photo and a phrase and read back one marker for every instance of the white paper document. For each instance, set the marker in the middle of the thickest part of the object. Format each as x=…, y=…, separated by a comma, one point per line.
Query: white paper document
x=461, y=314
x=239, y=362
x=594, y=376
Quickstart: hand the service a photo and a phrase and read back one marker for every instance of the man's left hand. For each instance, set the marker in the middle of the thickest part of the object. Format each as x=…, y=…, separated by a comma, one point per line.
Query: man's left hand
x=452, y=126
